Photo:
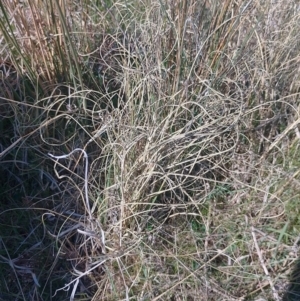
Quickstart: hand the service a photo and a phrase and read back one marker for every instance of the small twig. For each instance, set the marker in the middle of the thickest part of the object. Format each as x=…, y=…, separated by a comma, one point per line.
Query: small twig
x=282, y=135
x=275, y=294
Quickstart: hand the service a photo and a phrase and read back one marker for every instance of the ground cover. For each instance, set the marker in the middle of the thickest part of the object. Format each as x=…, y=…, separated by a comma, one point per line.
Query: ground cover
x=149, y=150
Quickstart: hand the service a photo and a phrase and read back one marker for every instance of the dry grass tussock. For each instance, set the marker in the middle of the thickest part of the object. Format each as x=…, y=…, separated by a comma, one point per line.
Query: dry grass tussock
x=149, y=150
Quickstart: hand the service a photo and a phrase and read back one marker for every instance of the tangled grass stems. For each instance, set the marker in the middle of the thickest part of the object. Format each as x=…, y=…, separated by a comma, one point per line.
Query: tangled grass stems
x=188, y=114
x=87, y=203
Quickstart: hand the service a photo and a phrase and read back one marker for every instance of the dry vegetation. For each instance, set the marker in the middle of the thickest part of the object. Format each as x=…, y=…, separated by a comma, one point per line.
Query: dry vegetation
x=149, y=150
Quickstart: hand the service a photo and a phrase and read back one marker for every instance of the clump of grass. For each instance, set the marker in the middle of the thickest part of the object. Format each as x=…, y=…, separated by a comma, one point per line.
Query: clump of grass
x=188, y=113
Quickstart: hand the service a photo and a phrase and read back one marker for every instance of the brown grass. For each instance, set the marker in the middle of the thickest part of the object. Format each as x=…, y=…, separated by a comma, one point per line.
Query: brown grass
x=188, y=112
